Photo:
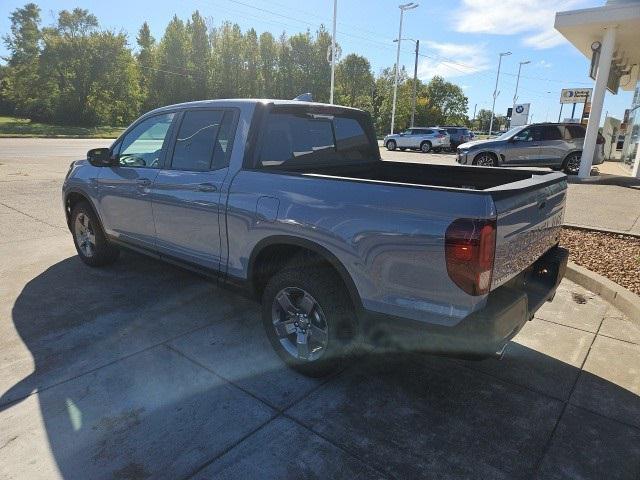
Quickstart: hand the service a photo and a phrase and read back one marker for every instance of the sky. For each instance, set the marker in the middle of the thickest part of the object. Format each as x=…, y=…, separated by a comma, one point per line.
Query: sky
x=459, y=39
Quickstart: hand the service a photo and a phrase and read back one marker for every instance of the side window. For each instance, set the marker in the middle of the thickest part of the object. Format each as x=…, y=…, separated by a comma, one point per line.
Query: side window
x=427, y=132
x=551, y=132
x=524, y=135
x=197, y=140
x=224, y=143
x=142, y=146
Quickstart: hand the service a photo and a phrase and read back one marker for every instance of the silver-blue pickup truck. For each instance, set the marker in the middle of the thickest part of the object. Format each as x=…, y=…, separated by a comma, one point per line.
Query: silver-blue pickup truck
x=291, y=201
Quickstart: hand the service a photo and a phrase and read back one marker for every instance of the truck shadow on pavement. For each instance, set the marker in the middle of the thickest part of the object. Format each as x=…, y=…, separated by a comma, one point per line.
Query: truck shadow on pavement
x=144, y=370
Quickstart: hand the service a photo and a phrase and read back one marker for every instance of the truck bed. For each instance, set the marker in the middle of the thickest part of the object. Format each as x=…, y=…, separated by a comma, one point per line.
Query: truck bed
x=470, y=178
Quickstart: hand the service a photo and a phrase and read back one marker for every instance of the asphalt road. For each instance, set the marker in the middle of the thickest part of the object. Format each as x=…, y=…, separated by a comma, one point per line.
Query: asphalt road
x=143, y=370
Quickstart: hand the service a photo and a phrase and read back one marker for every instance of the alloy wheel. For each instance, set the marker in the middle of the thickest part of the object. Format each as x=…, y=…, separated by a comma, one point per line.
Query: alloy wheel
x=300, y=324
x=85, y=235
x=573, y=164
x=485, y=160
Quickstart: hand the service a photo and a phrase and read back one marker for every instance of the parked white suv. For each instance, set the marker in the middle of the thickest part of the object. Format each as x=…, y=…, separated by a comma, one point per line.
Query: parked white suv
x=419, y=138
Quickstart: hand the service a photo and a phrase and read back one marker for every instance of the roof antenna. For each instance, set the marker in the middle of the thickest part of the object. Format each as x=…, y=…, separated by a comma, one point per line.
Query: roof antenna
x=305, y=97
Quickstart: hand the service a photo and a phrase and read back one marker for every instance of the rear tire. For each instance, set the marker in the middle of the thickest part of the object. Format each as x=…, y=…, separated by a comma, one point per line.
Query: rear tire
x=425, y=147
x=571, y=164
x=314, y=334
x=391, y=145
x=92, y=245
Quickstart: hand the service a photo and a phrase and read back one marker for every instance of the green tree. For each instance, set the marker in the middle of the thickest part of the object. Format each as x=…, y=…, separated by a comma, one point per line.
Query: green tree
x=446, y=102
x=354, y=82
x=268, y=65
x=173, y=81
x=320, y=68
x=251, y=85
x=91, y=74
x=147, y=64
x=199, y=64
x=21, y=82
x=227, y=60
x=483, y=118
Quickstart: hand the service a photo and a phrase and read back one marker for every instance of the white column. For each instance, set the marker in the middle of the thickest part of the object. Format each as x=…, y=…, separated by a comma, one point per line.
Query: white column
x=636, y=165
x=597, y=100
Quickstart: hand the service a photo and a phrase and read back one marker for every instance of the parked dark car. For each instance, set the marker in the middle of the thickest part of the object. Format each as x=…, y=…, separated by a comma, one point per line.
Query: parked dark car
x=459, y=135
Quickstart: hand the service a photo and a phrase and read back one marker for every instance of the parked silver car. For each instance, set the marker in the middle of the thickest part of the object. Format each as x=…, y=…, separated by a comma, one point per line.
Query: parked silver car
x=419, y=138
x=555, y=145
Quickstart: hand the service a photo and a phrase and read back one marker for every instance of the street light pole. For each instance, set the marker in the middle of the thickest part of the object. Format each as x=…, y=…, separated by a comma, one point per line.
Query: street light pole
x=403, y=7
x=495, y=90
x=333, y=50
x=515, y=95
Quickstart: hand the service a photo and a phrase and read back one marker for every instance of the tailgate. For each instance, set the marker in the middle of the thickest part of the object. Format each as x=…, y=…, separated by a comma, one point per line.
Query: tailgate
x=528, y=224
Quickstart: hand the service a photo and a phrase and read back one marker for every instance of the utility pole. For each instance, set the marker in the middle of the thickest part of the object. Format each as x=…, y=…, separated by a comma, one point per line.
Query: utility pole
x=415, y=79
x=495, y=90
x=403, y=7
x=333, y=50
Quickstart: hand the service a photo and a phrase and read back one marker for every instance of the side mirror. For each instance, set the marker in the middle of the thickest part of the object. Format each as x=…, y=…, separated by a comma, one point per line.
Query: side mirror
x=99, y=157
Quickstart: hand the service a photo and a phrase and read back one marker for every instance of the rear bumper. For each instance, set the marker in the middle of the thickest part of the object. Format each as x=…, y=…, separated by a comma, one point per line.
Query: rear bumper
x=483, y=333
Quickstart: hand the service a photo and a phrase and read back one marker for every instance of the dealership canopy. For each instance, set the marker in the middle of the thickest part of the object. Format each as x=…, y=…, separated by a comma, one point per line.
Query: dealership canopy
x=609, y=36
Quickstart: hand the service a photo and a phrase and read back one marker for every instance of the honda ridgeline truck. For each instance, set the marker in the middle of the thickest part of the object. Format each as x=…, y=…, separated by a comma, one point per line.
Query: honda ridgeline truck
x=292, y=201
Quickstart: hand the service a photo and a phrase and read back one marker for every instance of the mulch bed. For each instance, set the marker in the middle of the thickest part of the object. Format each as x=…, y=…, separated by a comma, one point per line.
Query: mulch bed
x=614, y=256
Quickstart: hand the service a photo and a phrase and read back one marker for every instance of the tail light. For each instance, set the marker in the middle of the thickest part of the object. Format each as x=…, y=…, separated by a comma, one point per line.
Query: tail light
x=470, y=246
x=440, y=135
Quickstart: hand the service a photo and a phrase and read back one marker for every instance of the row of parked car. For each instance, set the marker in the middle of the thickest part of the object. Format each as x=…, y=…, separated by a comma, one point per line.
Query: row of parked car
x=427, y=139
x=554, y=145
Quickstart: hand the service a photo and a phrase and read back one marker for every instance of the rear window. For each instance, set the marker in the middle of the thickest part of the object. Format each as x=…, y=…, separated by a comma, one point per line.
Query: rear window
x=305, y=138
x=573, y=131
x=551, y=132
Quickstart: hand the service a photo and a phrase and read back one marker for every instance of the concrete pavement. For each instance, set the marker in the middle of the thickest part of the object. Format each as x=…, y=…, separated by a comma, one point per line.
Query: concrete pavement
x=143, y=370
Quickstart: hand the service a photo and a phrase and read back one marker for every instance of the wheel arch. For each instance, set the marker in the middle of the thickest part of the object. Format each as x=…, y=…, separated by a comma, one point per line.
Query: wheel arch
x=273, y=253
x=72, y=198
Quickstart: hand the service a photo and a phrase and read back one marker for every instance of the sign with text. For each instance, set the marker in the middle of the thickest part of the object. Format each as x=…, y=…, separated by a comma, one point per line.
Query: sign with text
x=575, y=95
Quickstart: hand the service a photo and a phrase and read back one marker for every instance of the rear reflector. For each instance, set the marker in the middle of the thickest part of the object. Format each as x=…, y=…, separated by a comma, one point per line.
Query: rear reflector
x=470, y=246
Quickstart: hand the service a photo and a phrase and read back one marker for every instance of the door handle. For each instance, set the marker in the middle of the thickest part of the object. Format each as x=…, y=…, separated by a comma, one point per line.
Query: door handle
x=207, y=187
x=143, y=182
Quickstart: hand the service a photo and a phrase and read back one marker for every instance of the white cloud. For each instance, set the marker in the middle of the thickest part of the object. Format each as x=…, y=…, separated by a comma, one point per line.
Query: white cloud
x=543, y=64
x=533, y=18
x=452, y=60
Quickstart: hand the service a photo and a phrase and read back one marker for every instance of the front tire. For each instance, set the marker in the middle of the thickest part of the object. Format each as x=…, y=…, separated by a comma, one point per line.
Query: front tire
x=571, y=165
x=391, y=145
x=308, y=319
x=485, y=159
x=89, y=239
x=425, y=147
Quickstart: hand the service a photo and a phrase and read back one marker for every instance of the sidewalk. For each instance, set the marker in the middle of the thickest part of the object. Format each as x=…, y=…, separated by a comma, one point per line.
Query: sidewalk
x=607, y=202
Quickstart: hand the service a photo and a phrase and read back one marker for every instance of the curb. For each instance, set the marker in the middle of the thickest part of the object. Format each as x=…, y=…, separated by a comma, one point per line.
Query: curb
x=600, y=229
x=621, y=298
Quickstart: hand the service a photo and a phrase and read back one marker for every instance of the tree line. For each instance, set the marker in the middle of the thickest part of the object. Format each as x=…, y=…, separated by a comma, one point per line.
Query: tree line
x=75, y=73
